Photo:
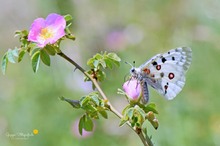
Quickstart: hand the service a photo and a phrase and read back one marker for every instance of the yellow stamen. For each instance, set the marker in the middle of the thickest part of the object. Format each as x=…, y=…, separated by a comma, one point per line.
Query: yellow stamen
x=46, y=33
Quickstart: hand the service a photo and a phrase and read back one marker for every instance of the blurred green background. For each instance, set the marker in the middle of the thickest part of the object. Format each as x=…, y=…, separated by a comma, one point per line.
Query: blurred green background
x=136, y=30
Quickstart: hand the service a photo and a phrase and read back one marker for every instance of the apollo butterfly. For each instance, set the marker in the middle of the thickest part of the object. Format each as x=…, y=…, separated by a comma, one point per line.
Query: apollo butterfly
x=164, y=72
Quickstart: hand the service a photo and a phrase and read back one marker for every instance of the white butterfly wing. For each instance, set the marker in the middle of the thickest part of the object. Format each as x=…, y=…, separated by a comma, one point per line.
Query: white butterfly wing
x=166, y=72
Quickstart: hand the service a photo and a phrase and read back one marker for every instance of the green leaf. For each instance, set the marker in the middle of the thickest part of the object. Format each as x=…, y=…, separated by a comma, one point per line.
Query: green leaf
x=101, y=75
x=21, y=55
x=90, y=62
x=150, y=107
x=4, y=63
x=144, y=126
x=122, y=122
x=17, y=33
x=10, y=56
x=95, y=99
x=125, y=109
x=96, y=63
x=81, y=124
x=45, y=57
x=88, y=124
x=24, y=33
x=130, y=113
x=84, y=100
x=15, y=52
x=141, y=111
x=98, y=56
x=50, y=50
x=114, y=56
x=35, y=61
x=108, y=63
x=74, y=103
x=34, y=50
x=102, y=62
x=104, y=114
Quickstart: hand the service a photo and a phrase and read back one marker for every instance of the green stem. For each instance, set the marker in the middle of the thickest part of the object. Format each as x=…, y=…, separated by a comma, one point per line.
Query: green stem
x=147, y=141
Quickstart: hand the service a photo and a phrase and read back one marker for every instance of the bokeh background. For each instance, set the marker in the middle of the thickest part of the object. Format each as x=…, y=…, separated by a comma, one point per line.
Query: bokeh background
x=136, y=30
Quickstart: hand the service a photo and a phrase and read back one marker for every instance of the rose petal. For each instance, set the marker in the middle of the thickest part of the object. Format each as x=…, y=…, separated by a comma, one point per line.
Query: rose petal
x=35, y=29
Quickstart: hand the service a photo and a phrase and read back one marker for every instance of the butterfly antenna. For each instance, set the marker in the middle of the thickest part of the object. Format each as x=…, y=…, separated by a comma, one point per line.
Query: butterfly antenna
x=129, y=64
x=134, y=63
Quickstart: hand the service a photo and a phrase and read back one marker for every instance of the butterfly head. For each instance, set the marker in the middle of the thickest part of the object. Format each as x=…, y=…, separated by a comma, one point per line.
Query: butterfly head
x=135, y=72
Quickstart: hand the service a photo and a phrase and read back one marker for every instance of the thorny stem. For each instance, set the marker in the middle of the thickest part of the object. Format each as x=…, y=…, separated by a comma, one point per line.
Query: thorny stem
x=146, y=141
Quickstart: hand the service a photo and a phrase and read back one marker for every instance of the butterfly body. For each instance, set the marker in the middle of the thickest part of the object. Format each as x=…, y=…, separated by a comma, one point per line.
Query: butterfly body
x=165, y=72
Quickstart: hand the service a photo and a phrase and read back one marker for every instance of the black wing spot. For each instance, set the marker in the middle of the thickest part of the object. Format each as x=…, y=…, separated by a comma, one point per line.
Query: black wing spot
x=173, y=58
x=163, y=60
x=161, y=74
x=154, y=63
x=168, y=52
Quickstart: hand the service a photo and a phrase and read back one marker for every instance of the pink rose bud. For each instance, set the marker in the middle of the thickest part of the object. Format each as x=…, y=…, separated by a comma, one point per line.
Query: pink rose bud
x=133, y=89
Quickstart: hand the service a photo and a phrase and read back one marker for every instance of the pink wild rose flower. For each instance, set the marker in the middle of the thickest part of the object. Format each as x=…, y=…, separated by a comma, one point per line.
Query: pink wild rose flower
x=47, y=31
x=133, y=89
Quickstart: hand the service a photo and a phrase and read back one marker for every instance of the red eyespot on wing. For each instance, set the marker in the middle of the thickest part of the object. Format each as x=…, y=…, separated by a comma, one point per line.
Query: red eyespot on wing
x=158, y=67
x=171, y=76
x=147, y=71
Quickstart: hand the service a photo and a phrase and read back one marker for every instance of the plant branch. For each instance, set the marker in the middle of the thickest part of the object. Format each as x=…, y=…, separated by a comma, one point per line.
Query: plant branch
x=147, y=141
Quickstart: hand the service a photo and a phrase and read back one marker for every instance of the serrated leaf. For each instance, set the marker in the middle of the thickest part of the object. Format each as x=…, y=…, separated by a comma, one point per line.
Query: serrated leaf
x=81, y=124
x=114, y=56
x=98, y=56
x=84, y=100
x=34, y=50
x=130, y=113
x=96, y=63
x=21, y=55
x=50, y=50
x=91, y=108
x=141, y=111
x=122, y=122
x=90, y=62
x=102, y=62
x=73, y=103
x=24, y=32
x=15, y=52
x=150, y=107
x=116, y=63
x=125, y=109
x=108, y=63
x=35, y=61
x=4, y=63
x=104, y=114
x=45, y=57
x=10, y=56
x=88, y=124
x=101, y=75
x=144, y=126
x=95, y=99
